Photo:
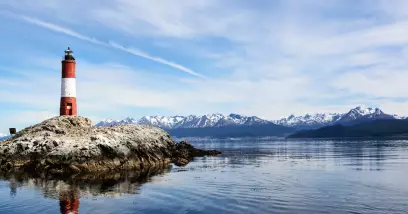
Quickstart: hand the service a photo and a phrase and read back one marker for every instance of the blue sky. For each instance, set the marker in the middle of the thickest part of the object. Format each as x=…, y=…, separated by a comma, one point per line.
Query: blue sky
x=166, y=57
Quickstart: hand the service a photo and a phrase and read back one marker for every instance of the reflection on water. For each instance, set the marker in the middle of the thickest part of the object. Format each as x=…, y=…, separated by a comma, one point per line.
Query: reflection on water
x=69, y=201
x=13, y=187
x=68, y=191
x=251, y=176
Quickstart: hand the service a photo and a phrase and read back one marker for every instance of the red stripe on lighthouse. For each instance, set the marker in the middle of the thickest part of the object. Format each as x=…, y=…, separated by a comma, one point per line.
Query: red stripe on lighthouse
x=68, y=106
x=68, y=69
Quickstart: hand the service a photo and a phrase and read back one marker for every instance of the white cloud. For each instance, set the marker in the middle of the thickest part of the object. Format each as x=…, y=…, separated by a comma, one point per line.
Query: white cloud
x=114, y=45
x=393, y=106
x=27, y=117
x=383, y=84
x=24, y=118
x=182, y=19
x=153, y=58
x=269, y=58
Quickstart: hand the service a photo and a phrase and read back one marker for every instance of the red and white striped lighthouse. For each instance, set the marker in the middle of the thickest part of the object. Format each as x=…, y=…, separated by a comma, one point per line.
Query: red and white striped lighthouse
x=68, y=85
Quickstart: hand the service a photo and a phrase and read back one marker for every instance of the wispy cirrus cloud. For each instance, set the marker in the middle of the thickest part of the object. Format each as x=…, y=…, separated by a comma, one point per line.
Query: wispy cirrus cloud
x=133, y=51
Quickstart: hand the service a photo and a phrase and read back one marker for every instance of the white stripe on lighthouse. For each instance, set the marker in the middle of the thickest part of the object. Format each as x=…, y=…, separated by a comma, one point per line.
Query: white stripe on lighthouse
x=68, y=87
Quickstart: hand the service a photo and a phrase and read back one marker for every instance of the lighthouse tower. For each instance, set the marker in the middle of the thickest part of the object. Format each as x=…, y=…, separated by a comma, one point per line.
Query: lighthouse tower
x=68, y=85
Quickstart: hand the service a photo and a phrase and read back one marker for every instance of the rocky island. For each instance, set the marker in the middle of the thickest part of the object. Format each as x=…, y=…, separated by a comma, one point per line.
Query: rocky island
x=71, y=144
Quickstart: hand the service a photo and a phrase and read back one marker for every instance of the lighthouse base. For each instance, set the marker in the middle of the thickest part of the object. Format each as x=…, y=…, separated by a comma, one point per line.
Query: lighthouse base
x=68, y=106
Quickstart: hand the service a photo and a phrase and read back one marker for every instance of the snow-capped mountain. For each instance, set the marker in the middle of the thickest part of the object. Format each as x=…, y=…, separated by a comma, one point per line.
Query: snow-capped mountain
x=3, y=136
x=161, y=121
x=356, y=115
x=399, y=117
x=110, y=122
x=192, y=121
x=360, y=113
x=309, y=120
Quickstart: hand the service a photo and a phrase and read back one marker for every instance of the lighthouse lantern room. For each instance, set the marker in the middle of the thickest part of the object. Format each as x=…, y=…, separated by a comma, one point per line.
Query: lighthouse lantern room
x=68, y=106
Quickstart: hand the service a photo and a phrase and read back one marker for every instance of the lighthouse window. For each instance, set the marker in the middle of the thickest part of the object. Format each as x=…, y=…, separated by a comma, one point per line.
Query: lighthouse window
x=69, y=106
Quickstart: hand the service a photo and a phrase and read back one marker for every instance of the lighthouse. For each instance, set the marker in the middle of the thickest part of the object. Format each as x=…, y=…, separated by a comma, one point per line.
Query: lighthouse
x=68, y=106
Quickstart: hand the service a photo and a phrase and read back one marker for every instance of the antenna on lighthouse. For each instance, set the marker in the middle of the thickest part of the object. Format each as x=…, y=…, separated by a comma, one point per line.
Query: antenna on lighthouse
x=68, y=54
x=68, y=51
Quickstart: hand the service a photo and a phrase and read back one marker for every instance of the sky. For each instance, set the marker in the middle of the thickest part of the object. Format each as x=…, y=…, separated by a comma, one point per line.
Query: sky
x=181, y=57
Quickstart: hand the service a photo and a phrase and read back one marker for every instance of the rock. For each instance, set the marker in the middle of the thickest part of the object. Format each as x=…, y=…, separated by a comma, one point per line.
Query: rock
x=60, y=132
x=6, y=166
x=55, y=143
x=184, y=152
x=181, y=161
x=71, y=144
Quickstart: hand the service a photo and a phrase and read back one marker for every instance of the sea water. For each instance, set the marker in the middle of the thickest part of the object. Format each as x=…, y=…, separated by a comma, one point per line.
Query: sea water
x=251, y=176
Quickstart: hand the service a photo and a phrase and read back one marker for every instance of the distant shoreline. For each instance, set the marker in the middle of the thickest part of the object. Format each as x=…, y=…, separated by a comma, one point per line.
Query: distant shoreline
x=287, y=138
x=352, y=138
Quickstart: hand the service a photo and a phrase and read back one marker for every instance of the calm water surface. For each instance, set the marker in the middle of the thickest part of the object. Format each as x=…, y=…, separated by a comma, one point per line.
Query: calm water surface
x=252, y=176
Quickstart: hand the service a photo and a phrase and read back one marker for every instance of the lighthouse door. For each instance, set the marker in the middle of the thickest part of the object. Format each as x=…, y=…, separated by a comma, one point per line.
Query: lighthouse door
x=68, y=110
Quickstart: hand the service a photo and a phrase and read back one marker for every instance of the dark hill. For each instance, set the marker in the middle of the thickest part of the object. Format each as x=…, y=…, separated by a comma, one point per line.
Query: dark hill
x=234, y=131
x=377, y=128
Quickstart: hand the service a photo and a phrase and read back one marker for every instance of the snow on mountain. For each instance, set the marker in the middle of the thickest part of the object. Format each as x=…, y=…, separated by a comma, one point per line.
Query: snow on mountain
x=161, y=121
x=209, y=120
x=399, y=117
x=110, y=122
x=308, y=121
x=4, y=136
x=355, y=115
x=243, y=120
x=191, y=121
x=361, y=113
x=317, y=119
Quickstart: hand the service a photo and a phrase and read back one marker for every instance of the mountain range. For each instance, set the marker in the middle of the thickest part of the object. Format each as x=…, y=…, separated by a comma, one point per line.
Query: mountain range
x=210, y=125
x=308, y=121
x=192, y=121
x=373, y=129
x=354, y=116
x=233, y=125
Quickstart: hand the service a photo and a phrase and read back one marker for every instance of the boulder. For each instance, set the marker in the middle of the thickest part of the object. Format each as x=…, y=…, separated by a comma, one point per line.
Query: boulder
x=184, y=152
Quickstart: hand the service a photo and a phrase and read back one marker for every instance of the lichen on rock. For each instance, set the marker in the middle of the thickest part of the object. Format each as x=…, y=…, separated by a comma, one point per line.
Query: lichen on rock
x=72, y=144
